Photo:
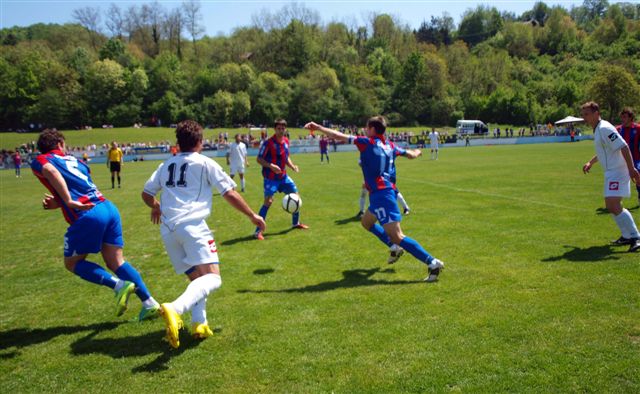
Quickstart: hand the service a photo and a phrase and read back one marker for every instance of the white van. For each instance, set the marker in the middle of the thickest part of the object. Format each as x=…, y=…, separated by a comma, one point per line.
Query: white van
x=470, y=126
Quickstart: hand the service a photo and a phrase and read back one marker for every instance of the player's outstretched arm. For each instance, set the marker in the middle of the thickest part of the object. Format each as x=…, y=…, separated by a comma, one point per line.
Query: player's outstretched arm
x=313, y=126
x=413, y=153
x=235, y=200
x=154, y=204
x=58, y=183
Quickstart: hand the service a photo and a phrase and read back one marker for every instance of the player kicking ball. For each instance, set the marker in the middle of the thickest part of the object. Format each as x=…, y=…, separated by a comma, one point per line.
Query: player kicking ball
x=186, y=181
x=377, y=157
x=94, y=224
x=615, y=157
x=274, y=159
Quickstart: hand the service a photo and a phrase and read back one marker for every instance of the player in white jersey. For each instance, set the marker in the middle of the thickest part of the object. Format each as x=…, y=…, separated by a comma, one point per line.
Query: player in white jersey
x=237, y=159
x=434, y=138
x=615, y=157
x=186, y=182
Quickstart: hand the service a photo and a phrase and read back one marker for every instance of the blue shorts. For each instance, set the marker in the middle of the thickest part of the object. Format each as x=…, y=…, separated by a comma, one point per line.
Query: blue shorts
x=384, y=205
x=100, y=225
x=272, y=186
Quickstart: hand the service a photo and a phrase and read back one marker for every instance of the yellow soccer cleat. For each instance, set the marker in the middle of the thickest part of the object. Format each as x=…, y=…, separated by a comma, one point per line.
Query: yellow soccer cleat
x=201, y=331
x=122, y=297
x=173, y=322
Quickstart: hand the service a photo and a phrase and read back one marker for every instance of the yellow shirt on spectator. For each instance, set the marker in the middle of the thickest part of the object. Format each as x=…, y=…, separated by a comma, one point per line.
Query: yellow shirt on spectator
x=115, y=154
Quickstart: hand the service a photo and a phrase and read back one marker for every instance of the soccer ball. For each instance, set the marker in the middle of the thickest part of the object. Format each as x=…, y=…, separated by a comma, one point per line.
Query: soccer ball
x=291, y=203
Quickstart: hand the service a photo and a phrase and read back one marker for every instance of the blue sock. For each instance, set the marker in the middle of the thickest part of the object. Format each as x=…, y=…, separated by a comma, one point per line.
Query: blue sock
x=92, y=272
x=378, y=231
x=416, y=250
x=263, y=212
x=295, y=218
x=127, y=272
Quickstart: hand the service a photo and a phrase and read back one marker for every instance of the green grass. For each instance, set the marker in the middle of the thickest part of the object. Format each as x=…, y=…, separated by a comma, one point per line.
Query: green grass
x=532, y=300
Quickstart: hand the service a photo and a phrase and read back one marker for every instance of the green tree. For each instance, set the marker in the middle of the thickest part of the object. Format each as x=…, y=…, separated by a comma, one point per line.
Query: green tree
x=168, y=108
x=613, y=87
x=270, y=97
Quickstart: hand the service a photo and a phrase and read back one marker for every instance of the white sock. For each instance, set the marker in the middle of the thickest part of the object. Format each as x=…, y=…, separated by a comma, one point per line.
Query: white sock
x=363, y=199
x=119, y=284
x=626, y=224
x=402, y=201
x=242, y=183
x=199, y=312
x=196, y=291
x=149, y=302
x=394, y=248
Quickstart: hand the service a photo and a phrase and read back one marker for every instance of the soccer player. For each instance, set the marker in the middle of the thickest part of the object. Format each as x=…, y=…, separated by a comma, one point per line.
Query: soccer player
x=94, y=224
x=186, y=181
x=614, y=155
x=630, y=131
x=377, y=157
x=274, y=159
x=114, y=162
x=433, y=137
x=237, y=159
x=324, y=149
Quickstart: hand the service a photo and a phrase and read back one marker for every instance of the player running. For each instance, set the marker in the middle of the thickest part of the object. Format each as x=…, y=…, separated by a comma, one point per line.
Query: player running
x=274, y=159
x=94, y=224
x=237, y=159
x=377, y=158
x=630, y=131
x=614, y=155
x=186, y=181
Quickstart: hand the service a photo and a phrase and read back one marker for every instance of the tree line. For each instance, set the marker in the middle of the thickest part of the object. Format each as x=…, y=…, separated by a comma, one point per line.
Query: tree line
x=123, y=66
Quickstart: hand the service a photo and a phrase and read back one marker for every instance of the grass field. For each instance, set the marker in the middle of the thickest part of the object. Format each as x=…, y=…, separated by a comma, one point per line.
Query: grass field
x=532, y=300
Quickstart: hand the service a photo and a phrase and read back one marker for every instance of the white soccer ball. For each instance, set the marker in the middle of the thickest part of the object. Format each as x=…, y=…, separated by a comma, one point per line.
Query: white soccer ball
x=291, y=203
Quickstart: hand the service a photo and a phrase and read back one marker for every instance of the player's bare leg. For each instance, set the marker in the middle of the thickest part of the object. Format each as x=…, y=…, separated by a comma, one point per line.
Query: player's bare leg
x=625, y=222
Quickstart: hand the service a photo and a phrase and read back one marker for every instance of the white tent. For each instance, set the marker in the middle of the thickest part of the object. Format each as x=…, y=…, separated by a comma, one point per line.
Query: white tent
x=569, y=119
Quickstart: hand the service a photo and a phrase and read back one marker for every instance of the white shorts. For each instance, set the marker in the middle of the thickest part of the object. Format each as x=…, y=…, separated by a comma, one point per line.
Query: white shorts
x=617, y=184
x=189, y=244
x=236, y=169
x=434, y=146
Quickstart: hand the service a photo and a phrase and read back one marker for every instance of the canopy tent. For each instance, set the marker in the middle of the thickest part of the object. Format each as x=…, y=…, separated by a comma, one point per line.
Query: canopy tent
x=569, y=119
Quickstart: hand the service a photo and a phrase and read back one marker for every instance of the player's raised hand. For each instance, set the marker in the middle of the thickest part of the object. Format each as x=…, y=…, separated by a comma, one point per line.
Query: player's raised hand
x=312, y=126
x=258, y=221
x=49, y=202
x=77, y=205
x=156, y=213
x=587, y=167
x=275, y=168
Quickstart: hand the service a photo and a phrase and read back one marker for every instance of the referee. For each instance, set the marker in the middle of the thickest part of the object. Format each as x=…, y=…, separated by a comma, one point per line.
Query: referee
x=114, y=162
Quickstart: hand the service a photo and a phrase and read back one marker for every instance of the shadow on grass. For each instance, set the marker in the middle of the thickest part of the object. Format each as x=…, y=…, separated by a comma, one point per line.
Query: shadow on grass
x=590, y=254
x=352, y=219
x=605, y=211
x=264, y=271
x=252, y=238
x=351, y=278
x=135, y=346
x=23, y=337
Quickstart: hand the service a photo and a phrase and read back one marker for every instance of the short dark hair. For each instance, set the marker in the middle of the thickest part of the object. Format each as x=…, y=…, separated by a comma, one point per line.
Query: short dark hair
x=378, y=123
x=591, y=105
x=49, y=139
x=279, y=122
x=189, y=135
x=628, y=111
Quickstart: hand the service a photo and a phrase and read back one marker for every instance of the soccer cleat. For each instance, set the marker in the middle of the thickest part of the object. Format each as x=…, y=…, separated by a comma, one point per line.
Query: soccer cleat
x=258, y=235
x=435, y=268
x=201, y=331
x=395, y=255
x=635, y=245
x=407, y=211
x=122, y=297
x=622, y=241
x=149, y=313
x=301, y=226
x=173, y=322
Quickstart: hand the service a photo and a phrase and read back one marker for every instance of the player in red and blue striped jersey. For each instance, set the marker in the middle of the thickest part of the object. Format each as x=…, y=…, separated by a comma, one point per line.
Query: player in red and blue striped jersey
x=377, y=156
x=630, y=132
x=94, y=224
x=274, y=159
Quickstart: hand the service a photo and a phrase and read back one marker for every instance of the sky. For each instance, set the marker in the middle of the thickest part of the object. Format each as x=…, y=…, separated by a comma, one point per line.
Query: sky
x=221, y=17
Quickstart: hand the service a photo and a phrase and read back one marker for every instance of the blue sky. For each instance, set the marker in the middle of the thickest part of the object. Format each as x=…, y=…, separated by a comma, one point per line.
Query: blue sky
x=222, y=16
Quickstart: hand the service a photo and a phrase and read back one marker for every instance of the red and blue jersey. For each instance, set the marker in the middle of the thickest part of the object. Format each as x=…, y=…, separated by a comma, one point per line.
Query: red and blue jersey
x=76, y=174
x=323, y=145
x=377, y=159
x=632, y=136
x=277, y=153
